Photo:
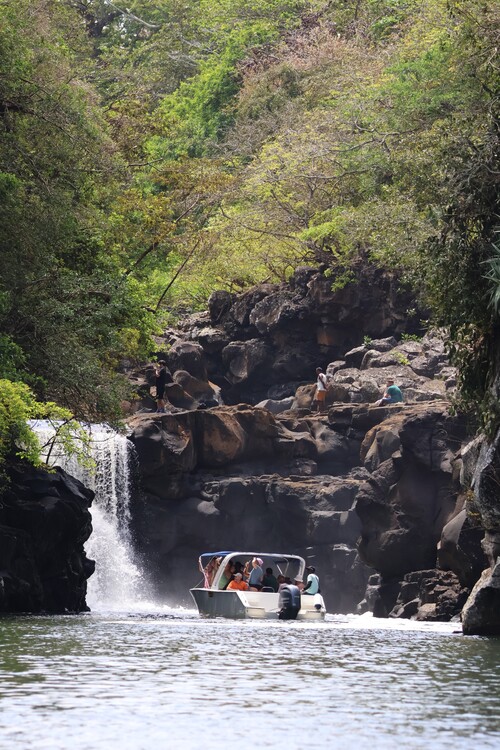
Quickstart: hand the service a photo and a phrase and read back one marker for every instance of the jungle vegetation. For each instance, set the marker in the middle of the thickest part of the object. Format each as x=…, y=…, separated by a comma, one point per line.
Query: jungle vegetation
x=152, y=153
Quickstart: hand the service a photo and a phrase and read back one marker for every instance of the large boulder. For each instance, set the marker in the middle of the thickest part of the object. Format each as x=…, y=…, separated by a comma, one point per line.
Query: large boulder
x=244, y=358
x=412, y=490
x=44, y=522
x=481, y=613
x=188, y=355
x=460, y=550
x=433, y=595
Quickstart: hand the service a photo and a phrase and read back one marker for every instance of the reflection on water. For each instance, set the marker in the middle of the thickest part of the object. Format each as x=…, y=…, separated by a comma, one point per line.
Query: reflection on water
x=170, y=679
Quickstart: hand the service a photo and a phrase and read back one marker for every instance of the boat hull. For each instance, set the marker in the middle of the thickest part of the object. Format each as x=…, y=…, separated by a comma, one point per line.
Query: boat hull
x=241, y=605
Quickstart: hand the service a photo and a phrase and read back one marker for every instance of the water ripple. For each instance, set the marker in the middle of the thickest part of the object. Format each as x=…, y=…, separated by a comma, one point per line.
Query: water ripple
x=171, y=679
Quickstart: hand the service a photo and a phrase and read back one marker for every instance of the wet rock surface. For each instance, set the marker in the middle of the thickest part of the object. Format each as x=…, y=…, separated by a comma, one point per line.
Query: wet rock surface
x=44, y=522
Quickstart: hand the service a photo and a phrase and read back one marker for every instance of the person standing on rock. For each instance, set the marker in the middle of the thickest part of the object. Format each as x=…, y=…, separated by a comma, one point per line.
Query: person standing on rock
x=162, y=378
x=392, y=395
x=321, y=385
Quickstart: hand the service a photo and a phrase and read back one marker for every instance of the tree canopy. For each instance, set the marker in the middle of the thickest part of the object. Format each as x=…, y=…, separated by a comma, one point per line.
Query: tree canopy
x=155, y=152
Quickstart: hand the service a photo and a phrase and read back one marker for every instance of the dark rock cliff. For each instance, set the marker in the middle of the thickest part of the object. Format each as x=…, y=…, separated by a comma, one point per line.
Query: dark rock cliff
x=383, y=480
x=44, y=522
x=276, y=474
x=266, y=342
x=239, y=478
x=481, y=614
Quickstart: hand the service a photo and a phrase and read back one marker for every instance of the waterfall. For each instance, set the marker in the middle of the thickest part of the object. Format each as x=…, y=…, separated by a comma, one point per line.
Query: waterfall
x=118, y=582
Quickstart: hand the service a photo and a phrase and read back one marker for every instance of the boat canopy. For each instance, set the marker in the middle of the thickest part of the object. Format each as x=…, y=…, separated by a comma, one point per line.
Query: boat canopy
x=276, y=557
x=215, y=554
x=296, y=562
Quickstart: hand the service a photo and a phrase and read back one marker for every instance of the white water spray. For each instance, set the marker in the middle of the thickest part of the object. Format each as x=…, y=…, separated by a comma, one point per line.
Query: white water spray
x=118, y=582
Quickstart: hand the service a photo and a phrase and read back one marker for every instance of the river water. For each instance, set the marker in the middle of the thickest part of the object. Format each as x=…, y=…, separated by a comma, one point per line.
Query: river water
x=161, y=678
x=132, y=675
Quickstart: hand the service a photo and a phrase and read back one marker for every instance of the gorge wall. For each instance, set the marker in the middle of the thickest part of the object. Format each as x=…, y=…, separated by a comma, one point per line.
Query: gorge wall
x=44, y=523
x=368, y=494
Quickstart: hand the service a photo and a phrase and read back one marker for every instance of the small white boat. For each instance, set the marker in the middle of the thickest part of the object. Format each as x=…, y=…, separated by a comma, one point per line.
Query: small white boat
x=213, y=600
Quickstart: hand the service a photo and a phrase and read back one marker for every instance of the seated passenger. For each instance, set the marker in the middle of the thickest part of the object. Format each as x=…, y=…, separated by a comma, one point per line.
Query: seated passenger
x=270, y=581
x=299, y=583
x=238, y=568
x=312, y=585
x=237, y=584
x=227, y=575
x=256, y=574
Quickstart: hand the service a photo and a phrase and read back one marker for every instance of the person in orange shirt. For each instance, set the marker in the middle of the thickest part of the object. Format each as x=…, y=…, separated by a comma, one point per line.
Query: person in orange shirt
x=237, y=584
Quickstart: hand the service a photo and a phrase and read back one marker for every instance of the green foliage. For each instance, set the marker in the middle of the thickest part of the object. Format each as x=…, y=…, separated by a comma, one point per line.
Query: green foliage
x=411, y=337
x=17, y=407
x=64, y=302
x=152, y=153
x=401, y=358
x=198, y=113
x=492, y=277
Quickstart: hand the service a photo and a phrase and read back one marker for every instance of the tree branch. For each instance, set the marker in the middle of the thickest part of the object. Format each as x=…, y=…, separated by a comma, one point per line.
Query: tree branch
x=128, y=14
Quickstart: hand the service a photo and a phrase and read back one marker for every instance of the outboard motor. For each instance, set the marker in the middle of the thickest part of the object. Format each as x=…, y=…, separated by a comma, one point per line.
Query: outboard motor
x=289, y=602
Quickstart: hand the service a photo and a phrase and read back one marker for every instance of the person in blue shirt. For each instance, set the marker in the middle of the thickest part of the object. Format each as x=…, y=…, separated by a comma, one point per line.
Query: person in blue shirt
x=392, y=395
x=256, y=575
x=312, y=583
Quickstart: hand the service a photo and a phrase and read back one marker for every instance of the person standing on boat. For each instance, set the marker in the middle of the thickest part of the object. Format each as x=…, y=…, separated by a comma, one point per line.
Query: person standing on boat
x=209, y=570
x=256, y=574
x=312, y=583
x=237, y=584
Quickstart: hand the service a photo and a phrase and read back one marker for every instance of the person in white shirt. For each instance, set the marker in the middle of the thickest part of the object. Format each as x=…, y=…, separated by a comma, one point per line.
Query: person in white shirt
x=321, y=384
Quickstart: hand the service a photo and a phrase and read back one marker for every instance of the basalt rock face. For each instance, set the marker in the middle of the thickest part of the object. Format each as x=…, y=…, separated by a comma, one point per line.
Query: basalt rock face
x=266, y=342
x=414, y=528
x=44, y=522
x=481, y=474
x=385, y=479
x=240, y=478
x=481, y=613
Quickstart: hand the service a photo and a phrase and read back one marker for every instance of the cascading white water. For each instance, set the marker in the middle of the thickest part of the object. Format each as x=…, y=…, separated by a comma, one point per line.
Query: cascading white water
x=118, y=582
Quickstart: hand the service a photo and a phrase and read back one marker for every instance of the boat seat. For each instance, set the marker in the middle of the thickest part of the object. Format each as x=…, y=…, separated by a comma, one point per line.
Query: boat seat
x=267, y=590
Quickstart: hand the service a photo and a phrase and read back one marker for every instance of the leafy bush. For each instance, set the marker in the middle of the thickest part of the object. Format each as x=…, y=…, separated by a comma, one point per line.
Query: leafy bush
x=17, y=407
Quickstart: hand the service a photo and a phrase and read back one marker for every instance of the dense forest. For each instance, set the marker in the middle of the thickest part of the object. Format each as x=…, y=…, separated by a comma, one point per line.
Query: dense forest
x=152, y=153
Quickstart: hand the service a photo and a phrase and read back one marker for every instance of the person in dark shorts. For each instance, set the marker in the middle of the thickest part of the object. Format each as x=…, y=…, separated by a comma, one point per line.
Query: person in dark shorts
x=163, y=377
